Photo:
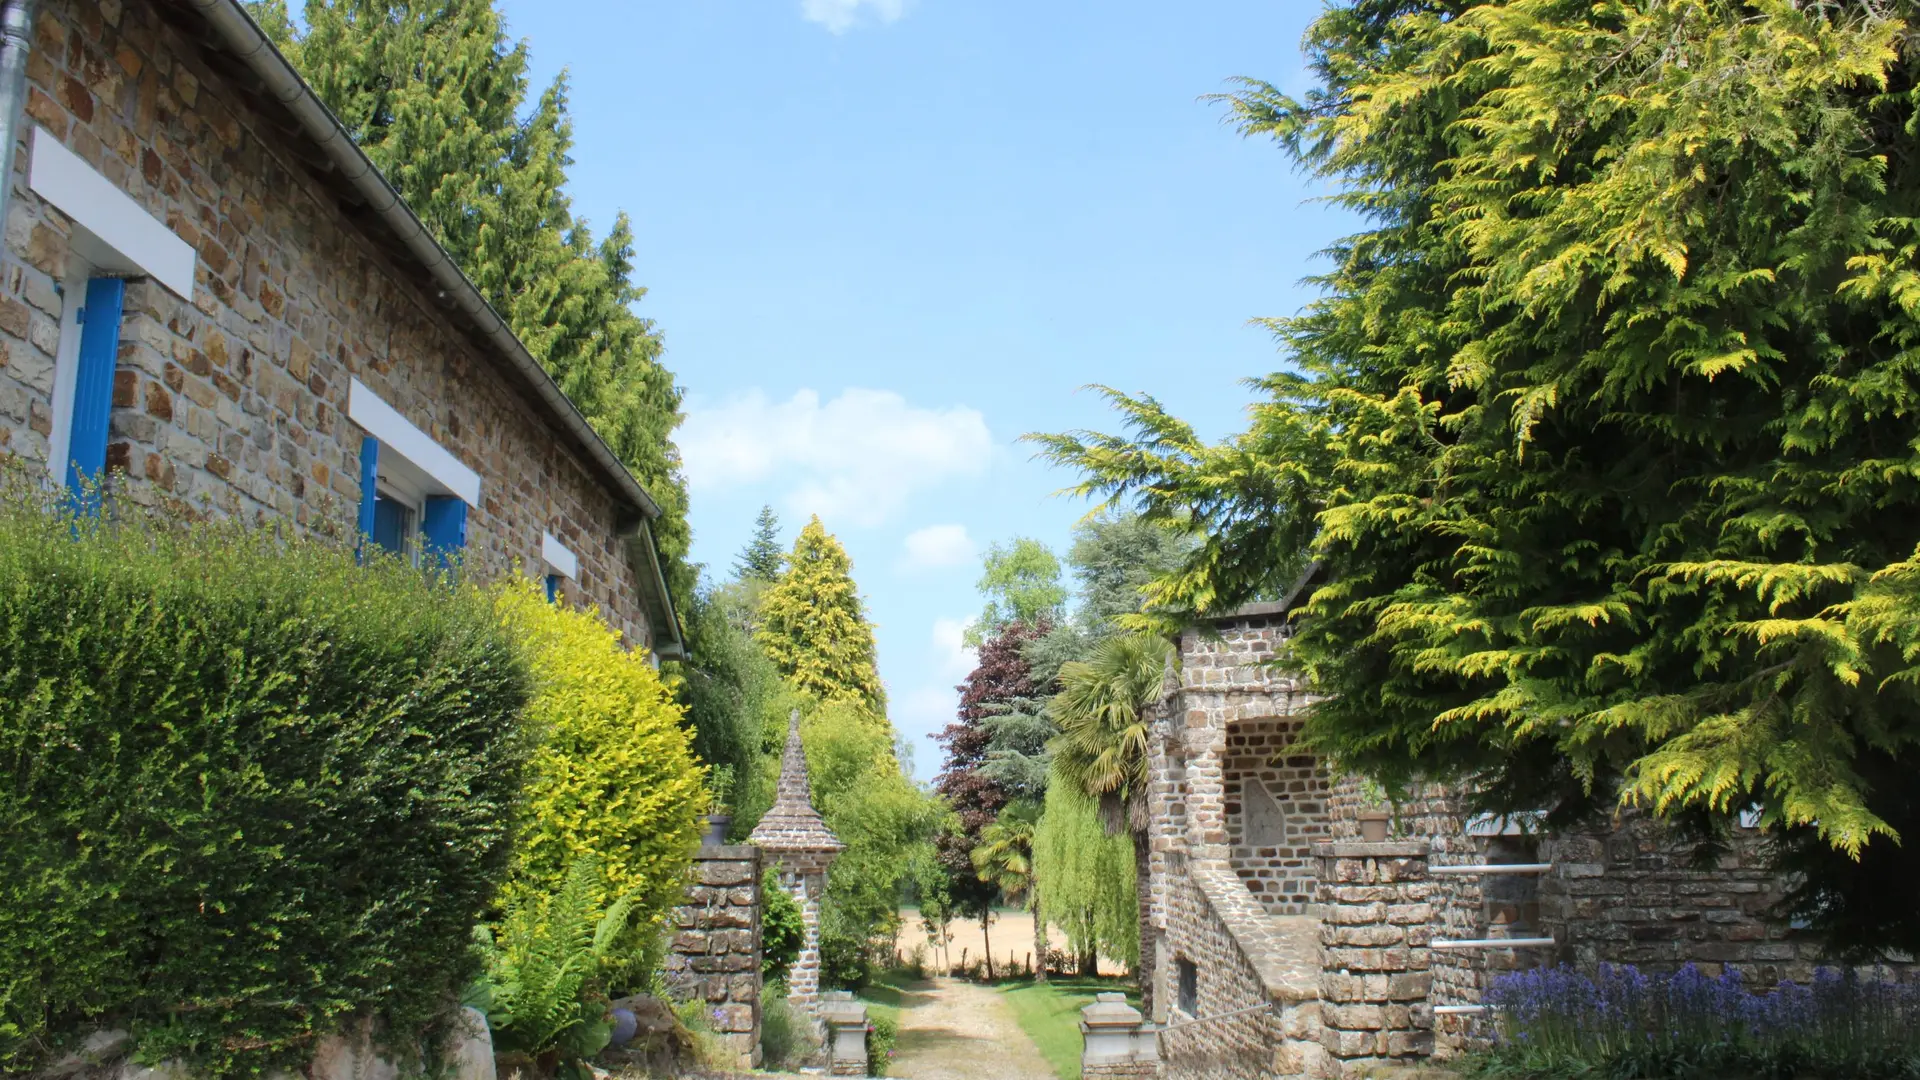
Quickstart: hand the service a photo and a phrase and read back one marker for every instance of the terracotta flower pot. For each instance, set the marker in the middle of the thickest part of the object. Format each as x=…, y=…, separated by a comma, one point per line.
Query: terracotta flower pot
x=1373, y=825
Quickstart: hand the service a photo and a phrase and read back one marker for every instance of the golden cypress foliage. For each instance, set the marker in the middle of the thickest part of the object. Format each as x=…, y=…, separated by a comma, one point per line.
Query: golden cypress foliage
x=814, y=627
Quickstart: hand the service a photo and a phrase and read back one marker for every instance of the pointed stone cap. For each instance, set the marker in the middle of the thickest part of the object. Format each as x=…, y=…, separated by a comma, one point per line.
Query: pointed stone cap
x=793, y=824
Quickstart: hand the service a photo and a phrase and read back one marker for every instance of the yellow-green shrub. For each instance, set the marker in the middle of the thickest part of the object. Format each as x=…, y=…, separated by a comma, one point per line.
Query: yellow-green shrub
x=613, y=776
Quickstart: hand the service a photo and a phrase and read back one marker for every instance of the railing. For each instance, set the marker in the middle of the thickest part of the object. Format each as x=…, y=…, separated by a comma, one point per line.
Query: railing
x=1218, y=1016
x=1464, y=944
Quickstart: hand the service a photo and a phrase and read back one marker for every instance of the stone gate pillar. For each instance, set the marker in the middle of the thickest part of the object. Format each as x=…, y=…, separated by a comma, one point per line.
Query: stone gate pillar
x=801, y=847
x=714, y=955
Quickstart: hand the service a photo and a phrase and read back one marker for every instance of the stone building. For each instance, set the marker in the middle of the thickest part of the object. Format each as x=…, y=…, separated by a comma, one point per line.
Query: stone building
x=1286, y=945
x=209, y=296
x=800, y=848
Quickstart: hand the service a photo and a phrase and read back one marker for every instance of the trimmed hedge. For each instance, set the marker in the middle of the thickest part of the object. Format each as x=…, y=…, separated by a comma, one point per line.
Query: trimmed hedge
x=613, y=777
x=252, y=790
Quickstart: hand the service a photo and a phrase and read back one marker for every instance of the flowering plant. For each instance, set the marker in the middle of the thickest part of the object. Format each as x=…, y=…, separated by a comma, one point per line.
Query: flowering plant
x=1556, y=1022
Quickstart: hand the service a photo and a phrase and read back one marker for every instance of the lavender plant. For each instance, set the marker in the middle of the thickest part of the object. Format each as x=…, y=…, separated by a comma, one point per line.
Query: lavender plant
x=1622, y=1024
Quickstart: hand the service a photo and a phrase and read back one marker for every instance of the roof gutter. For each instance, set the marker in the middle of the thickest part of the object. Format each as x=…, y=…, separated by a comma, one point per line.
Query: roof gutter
x=244, y=38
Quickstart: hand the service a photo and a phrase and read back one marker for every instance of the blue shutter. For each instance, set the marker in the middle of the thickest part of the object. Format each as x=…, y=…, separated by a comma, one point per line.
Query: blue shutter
x=93, y=390
x=369, y=482
x=553, y=588
x=443, y=525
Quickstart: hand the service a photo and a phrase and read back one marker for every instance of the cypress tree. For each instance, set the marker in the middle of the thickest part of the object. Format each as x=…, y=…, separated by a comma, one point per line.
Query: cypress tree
x=814, y=627
x=433, y=92
x=1603, y=432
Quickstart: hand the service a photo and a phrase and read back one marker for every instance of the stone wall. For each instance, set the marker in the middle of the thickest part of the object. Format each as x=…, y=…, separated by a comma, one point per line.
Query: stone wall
x=1276, y=812
x=714, y=955
x=1377, y=909
x=234, y=399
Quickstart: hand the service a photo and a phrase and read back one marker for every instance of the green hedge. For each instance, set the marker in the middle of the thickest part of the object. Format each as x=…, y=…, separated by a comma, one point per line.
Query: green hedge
x=252, y=789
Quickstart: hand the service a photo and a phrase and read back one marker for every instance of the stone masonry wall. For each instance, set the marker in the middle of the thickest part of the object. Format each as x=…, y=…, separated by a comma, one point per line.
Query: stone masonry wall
x=714, y=955
x=1276, y=812
x=1377, y=910
x=1249, y=1046
x=234, y=399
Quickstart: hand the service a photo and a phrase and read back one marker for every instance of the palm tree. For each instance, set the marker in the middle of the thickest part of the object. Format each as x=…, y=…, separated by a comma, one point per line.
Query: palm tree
x=1103, y=710
x=1004, y=858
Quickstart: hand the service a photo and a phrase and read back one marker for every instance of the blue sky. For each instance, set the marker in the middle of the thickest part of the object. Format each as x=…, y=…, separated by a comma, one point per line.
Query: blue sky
x=884, y=238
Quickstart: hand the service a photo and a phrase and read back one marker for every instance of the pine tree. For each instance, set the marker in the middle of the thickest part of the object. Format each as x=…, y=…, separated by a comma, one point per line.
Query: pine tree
x=760, y=560
x=814, y=627
x=434, y=94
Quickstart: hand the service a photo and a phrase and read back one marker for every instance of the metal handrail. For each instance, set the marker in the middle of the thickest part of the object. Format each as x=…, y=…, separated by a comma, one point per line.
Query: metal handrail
x=1493, y=868
x=1218, y=1016
x=1493, y=943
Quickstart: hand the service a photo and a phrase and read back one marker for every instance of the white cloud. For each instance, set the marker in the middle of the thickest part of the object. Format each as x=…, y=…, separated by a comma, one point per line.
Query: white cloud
x=856, y=458
x=937, y=547
x=840, y=16
x=956, y=657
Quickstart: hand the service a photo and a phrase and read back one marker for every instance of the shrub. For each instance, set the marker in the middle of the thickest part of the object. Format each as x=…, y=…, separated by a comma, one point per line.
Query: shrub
x=613, y=776
x=253, y=789
x=786, y=1039
x=883, y=1031
x=1558, y=1023
x=782, y=928
x=543, y=989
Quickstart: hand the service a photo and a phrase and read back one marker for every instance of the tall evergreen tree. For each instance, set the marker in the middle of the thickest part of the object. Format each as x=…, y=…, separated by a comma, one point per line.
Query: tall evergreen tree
x=761, y=559
x=814, y=627
x=436, y=96
x=1603, y=432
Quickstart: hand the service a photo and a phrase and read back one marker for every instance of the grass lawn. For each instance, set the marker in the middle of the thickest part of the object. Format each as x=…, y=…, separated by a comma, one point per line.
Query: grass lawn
x=1050, y=1014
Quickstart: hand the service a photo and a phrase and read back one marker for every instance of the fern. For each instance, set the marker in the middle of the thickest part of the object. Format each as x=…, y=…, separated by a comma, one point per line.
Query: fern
x=543, y=991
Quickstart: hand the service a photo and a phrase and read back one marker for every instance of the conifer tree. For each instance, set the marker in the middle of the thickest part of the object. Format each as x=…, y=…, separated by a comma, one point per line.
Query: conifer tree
x=434, y=94
x=814, y=627
x=760, y=560
x=1602, y=434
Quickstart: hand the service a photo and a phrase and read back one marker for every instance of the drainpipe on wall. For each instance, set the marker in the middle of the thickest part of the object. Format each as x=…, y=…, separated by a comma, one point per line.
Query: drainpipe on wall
x=16, y=41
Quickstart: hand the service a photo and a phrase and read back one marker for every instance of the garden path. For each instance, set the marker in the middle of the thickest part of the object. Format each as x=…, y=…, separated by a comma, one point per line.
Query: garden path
x=951, y=1029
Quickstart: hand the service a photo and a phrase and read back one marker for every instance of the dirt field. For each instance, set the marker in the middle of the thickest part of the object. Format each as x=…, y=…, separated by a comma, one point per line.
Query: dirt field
x=1012, y=934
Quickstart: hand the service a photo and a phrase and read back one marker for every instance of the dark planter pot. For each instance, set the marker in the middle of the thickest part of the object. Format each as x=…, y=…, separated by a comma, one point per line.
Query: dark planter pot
x=717, y=826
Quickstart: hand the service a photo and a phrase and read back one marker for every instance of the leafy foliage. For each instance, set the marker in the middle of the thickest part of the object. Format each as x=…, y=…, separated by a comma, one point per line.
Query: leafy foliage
x=1086, y=875
x=613, y=778
x=256, y=790
x=542, y=990
x=1603, y=432
x=436, y=96
x=1102, y=710
x=814, y=626
x=782, y=929
x=729, y=687
x=1021, y=581
x=881, y=817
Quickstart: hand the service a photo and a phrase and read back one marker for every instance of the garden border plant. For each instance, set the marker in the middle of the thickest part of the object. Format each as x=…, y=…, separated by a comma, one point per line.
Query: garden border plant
x=258, y=788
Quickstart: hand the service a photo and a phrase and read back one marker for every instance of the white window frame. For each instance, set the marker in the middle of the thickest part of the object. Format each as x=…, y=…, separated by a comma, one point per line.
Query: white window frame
x=559, y=558
x=420, y=467
x=111, y=230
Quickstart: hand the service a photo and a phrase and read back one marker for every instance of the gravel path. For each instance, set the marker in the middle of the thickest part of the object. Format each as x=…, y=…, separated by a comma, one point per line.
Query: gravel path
x=955, y=1030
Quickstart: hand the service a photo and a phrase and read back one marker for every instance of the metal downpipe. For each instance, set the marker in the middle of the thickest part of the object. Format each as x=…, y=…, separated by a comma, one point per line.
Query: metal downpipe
x=16, y=41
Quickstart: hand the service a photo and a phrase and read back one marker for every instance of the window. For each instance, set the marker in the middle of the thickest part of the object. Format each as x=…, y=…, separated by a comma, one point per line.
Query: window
x=89, y=401
x=1189, y=986
x=562, y=565
x=413, y=493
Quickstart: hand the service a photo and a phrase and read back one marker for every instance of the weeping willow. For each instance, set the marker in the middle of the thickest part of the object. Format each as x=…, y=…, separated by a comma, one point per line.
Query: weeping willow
x=1087, y=877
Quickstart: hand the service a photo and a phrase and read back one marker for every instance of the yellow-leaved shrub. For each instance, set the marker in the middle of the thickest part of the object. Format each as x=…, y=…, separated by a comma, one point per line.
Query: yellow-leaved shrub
x=613, y=776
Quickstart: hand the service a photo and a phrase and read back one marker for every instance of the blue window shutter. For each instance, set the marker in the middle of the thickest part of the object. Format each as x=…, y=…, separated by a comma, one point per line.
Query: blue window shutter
x=553, y=588
x=93, y=389
x=443, y=525
x=369, y=482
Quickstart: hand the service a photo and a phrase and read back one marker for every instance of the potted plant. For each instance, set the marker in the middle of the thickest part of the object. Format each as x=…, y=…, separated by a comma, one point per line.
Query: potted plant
x=719, y=790
x=1375, y=817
